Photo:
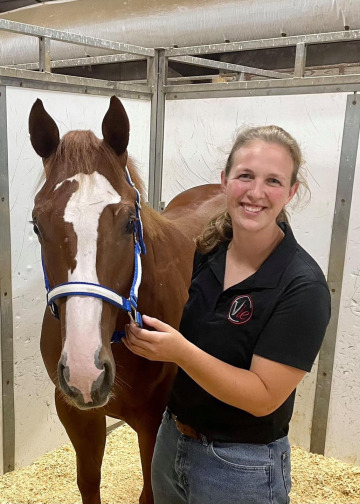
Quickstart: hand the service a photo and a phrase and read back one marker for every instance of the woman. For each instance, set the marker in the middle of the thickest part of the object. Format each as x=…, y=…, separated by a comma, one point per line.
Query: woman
x=256, y=316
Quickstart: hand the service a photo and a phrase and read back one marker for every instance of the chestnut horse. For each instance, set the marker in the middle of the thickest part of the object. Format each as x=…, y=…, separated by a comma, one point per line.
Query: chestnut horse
x=92, y=224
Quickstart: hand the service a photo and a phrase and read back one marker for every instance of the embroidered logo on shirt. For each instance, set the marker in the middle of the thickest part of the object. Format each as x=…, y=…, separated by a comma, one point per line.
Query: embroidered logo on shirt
x=241, y=310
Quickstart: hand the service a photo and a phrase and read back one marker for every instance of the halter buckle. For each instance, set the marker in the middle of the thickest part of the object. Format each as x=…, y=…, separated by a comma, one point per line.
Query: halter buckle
x=135, y=316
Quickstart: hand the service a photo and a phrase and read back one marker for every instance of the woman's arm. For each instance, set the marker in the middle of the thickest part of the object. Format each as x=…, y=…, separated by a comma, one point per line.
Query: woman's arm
x=259, y=391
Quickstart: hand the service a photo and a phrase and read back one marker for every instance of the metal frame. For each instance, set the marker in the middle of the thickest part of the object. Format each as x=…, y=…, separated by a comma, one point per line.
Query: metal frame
x=6, y=315
x=73, y=38
x=238, y=80
x=24, y=76
x=157, y=70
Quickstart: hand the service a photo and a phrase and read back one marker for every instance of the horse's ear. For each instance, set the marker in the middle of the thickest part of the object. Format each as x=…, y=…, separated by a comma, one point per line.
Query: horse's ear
x=116, y=127
x=44, y=133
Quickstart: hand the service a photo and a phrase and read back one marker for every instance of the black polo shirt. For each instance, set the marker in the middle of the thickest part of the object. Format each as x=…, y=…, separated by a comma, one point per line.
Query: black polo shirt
x=280, y=313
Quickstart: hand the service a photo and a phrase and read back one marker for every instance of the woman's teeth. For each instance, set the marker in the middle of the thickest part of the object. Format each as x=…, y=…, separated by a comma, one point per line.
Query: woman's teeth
x=253, y=209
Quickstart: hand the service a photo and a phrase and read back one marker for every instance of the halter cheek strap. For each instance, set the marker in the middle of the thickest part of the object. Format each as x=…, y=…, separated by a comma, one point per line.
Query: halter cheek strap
x=100, y=291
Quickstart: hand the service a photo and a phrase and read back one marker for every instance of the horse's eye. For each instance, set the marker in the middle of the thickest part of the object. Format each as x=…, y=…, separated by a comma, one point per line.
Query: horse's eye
x=35, y=227
x=130, y=225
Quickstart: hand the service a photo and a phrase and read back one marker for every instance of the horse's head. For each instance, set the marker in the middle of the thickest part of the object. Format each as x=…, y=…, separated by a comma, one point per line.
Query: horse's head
x=84, y=216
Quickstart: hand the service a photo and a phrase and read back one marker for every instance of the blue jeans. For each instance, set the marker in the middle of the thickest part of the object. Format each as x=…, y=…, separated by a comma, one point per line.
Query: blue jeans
x=190, y=471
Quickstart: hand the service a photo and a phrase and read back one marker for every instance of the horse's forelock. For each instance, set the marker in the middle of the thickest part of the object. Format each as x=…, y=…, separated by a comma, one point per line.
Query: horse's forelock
x=80, y=151
x=76, y=153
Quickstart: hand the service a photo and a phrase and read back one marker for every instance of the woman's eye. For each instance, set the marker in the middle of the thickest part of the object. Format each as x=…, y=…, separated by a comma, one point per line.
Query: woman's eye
x=244, y=176
x=274, y=181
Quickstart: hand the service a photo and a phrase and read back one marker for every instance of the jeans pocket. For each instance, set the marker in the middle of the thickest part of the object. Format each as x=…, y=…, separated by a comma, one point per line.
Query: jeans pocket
x=243, y=470
x=286, y=472
x=241, y=455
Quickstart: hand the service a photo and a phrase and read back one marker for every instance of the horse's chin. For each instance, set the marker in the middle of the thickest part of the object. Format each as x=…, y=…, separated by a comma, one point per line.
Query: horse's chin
x=91, y=405
x=74, y=398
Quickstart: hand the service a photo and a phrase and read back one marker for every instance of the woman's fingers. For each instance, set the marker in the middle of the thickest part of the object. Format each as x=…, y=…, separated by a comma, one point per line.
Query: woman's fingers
x=156, y=324
x=131, y=343
x=139, y=333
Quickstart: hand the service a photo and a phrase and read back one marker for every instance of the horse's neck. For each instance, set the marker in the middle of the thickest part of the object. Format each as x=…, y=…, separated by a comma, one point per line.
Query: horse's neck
x=166, y=268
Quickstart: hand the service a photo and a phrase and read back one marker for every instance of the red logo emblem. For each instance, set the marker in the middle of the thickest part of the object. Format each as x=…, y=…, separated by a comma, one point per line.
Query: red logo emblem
x=241, y=310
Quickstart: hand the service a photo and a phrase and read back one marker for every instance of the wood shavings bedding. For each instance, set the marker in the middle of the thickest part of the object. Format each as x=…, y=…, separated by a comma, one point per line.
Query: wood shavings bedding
x=52, y=478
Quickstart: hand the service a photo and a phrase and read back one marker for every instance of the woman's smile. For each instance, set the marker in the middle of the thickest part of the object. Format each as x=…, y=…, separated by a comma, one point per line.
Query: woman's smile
x=252, y=209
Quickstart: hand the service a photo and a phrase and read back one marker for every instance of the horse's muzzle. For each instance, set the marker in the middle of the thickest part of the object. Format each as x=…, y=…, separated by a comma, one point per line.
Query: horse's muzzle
x=99, y=394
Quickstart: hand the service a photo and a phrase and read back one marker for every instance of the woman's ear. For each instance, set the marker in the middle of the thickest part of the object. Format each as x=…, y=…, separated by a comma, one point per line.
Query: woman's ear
x=223, y=181
x=292, y=191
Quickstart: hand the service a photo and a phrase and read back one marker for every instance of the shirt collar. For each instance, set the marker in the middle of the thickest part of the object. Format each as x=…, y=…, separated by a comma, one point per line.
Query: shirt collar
x=269, y=273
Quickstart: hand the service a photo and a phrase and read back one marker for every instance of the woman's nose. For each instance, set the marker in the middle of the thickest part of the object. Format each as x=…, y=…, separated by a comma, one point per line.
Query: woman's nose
x=256, y=190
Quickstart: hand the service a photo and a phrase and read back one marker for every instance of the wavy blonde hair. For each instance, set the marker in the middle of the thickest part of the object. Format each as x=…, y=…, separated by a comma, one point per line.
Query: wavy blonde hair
x=219, y=229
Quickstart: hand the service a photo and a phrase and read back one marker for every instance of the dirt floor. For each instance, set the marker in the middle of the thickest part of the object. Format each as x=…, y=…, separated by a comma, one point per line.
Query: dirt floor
x=51, y=479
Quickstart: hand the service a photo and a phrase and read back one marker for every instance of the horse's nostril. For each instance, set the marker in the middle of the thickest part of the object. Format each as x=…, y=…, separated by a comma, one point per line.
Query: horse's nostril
x=106, y=368
x=106, y=379
x=107, y=375
x=61, y=369
x=63, y=372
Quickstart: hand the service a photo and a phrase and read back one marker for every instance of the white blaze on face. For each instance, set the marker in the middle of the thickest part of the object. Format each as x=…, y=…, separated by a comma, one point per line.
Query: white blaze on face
x=83, y=314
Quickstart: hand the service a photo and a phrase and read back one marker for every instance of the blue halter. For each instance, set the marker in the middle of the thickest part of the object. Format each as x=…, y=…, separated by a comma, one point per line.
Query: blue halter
x=99, y=291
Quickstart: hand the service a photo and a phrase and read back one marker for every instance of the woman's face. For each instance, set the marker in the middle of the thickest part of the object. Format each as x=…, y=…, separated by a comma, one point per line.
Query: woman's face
x=258, y=185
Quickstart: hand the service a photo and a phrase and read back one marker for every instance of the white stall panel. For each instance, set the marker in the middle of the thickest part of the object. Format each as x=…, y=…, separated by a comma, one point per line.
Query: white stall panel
x=344, y=417
x=37, y=426
x=198, y=137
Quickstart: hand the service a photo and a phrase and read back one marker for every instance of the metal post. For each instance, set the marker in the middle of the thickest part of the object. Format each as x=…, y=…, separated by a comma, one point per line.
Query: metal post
x=6, y=317
x=300, y=60
x=44, y=54
x=340, y=226
x=157, y=73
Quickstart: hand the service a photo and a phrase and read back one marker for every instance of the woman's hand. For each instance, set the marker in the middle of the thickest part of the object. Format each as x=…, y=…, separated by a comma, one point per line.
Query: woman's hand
x=163, y=344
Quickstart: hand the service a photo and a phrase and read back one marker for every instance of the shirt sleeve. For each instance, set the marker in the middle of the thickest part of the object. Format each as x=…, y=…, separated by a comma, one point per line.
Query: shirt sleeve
x=294, y=332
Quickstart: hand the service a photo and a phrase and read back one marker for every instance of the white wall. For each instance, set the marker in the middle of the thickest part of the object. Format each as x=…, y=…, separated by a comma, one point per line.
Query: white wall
x=199, y=135
x=37, y=426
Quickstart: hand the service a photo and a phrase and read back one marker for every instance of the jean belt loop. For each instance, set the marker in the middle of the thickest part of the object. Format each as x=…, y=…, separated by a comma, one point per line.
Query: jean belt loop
x=204, y=440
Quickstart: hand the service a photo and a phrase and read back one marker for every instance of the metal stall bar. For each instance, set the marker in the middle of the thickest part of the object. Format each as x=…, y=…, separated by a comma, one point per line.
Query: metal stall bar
x=220, y=65
x=296, y=85
x=248, y=45
x=300, y=60
x=157, y=73
x=6, y=316
x=73, y=38
x=339, y=234
x=45, y=80
x=44, y=54
x=74, y=62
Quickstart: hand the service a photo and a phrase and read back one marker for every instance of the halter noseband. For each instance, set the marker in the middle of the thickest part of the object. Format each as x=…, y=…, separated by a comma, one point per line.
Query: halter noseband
x=100, y=291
